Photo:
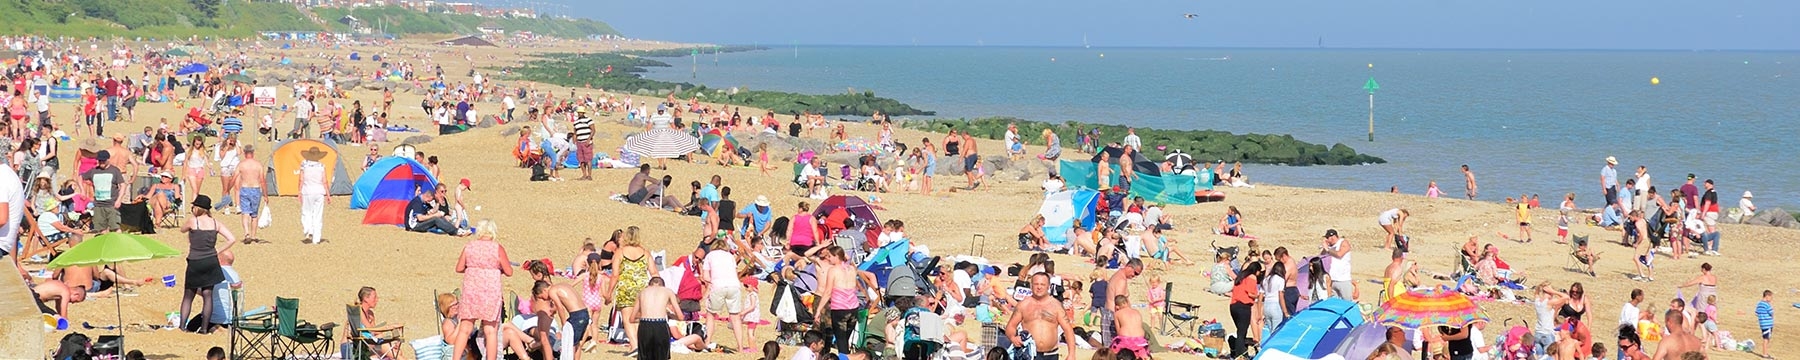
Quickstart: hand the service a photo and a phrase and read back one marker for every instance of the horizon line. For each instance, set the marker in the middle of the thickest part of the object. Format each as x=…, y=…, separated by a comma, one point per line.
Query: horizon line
x=1016, y=46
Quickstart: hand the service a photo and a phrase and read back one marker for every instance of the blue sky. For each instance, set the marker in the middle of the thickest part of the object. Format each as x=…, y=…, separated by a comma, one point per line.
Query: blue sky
x=1508, y=24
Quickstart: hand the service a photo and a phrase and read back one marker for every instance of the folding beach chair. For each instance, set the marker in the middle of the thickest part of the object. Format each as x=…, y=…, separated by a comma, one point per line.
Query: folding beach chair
x=362, y=343
x=295, y=337
x=252, y=334
x=1178, y=324
x=1577, y=262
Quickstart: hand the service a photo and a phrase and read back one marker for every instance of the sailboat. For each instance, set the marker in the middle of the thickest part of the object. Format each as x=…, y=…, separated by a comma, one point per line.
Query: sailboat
x=1084, y=42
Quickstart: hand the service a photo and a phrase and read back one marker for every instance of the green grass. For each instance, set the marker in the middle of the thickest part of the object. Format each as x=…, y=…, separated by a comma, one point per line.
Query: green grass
x=585, y=70
x=402, y=21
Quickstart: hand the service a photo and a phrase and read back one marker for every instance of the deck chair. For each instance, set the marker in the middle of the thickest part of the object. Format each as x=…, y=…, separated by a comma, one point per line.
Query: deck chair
x=252, y=333
x=33, y=241
x=295, y=336
x=362, y=343
x=1178, y=324
x=1577, y=262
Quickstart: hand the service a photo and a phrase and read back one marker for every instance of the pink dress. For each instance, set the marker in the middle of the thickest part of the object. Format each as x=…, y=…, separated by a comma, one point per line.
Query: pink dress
x=481, y=282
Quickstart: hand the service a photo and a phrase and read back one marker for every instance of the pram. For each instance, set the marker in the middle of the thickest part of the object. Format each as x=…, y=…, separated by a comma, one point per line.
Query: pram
x=792, y=304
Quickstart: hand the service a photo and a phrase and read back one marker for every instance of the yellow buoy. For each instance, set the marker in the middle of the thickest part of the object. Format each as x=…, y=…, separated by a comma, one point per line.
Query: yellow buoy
x=1654, y=81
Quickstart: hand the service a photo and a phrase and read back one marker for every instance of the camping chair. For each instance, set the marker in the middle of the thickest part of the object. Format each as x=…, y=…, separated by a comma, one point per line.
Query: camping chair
x=362, y=343
x=1577, y=262
x=1173, y=323
x=800, y=188
x=251, y=333
x=295, y=335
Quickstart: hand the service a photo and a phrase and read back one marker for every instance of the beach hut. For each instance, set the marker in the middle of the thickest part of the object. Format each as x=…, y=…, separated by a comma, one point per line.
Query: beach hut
x=1063, y=211
x=285, y=166
x=1313, y=332
x=387, y=187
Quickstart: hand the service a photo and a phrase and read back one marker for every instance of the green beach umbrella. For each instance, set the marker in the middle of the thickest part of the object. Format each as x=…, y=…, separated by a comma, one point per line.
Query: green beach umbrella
x=113, y=248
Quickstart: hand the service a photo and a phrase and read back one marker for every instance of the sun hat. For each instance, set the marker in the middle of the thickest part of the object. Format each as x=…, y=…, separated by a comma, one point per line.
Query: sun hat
x=1612, y=161
x=203, y=202
x=1747, y=194
x=762, y=201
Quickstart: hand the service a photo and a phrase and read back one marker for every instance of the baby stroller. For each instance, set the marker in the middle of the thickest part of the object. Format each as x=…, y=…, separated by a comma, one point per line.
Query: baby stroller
x=792, y=303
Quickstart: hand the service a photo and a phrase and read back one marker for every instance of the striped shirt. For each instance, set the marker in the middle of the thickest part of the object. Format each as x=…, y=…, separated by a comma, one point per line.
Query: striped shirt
x=584, y=129
x=1765, y=315
x=231, y=125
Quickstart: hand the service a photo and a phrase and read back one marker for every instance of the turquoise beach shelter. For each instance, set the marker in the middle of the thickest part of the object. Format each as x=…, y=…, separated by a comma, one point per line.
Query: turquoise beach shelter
x=1315, y=331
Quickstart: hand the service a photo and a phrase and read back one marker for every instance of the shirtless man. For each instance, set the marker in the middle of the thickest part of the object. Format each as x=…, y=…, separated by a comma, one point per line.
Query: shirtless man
x=96, y=280
x=1130, y=325
x=655, y=303
x=1290, y=293
x=1119, y=285
x=972, y=161
x=567, y=305
x=1680, y=340
x=251, y=177
x=1042, y=318
x=123, y=163
x=1469, y=187
x=61, y=293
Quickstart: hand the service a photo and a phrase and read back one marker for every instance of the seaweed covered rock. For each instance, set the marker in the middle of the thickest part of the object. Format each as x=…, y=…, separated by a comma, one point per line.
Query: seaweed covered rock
x=1203, y=145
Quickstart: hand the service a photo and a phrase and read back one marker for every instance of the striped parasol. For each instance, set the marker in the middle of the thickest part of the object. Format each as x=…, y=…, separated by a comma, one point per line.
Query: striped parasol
x=1434, y=307
x=663, y=143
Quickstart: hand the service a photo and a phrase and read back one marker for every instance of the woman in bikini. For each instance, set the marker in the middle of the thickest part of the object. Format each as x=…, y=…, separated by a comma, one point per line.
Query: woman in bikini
x=194, y=162
x=633, y=275
x=227, y=156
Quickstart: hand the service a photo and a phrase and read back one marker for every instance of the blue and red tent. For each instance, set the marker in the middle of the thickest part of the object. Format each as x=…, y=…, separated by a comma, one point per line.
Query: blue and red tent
x=387, y=187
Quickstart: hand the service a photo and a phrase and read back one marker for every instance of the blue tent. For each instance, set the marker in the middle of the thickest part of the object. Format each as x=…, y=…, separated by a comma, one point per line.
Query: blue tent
x=386, y=188
x=1315, y=331
x=1065, y=210
x=194, y=68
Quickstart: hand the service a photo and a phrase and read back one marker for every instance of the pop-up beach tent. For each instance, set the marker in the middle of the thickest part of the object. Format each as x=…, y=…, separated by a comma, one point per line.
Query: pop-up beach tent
x=284, y=166
x=387, y=187
x=1315, y=331
x=1065, y=210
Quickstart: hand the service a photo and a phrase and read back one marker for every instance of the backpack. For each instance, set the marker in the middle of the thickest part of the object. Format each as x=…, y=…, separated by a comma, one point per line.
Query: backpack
x=537, y=172
x=74, y=346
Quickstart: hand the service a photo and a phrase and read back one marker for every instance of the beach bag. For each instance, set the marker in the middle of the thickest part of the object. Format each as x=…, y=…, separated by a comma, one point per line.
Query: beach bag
x=73, y=347
x=264, y=218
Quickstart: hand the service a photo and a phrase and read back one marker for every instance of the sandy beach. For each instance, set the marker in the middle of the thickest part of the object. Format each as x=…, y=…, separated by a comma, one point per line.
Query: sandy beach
x=552, y=219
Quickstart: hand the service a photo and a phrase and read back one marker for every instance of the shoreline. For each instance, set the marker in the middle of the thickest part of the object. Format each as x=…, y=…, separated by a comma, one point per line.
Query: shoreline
x=551, y=219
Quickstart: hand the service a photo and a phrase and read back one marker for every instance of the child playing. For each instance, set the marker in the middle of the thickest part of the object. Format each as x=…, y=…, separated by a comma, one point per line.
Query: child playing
x=1706, y=330
x=1765, y=319
x=1157, y=298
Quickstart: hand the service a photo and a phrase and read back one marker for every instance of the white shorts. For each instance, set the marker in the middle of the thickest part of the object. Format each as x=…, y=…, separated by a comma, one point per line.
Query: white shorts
x=725, y=300
x=1385, y=221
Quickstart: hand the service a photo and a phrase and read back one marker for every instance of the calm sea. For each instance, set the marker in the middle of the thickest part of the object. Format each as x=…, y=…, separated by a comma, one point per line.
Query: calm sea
x=1531, y=122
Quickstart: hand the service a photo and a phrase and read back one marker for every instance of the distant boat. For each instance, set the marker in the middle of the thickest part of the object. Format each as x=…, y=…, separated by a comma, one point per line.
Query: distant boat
x=1084, y=42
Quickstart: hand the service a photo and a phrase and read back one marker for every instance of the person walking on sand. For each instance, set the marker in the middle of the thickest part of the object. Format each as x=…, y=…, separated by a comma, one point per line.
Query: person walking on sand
x=655, y=304
x=971, y=161
x=1469, y=187
x=482, y=262
x=584, y=143
x=1040, y=323
x=931, y=164
x=312, y=199
x=251, y=178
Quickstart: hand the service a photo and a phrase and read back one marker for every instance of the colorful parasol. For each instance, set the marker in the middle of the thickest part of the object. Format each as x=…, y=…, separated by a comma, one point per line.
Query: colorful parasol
x=717, y=140
x=1438, y=307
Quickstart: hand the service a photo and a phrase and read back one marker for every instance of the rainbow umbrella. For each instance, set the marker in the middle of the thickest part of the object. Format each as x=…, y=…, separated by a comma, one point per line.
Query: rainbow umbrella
x=715, y=141
x=1437, y=307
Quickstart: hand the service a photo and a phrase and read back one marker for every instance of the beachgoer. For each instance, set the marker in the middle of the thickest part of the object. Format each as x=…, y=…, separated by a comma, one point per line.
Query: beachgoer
x=837, y=290
x=1469, y=188
x=1680, y=339
x=1765, y=320
x=424, y=214
x=313, y=199
x=1393, y=221
x=251, y=178
x=1243, y=298
x=1031, y=237
x=725, y=295
x=1232, y=224
x=1609, y=181
x=483, y=262
x=104, y=184
x=632, y=277
x=971, y=161
x=654, y=304
x=203, y=269
x=385, y=347
x=1130, y=325
x=1707, y=283
x=1041, y=322
x=1116, y=286
x=930, y=169
x=1343, y=285
x=583, y=137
